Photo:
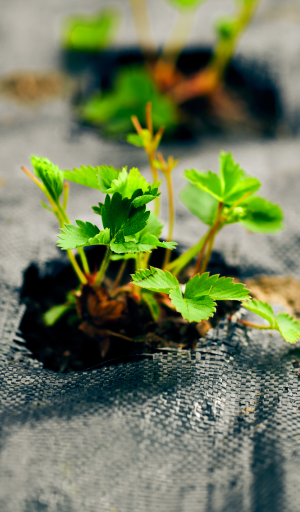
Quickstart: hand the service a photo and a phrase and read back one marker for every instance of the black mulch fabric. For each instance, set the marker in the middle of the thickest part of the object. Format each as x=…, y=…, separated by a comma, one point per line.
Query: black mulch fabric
x=216, y=429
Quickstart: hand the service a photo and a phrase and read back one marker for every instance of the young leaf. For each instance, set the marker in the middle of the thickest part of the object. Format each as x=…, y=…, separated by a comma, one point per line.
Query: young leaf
x=199, y=203
x=225, y=289
x=53, y=314
x=50, y=174
x=112, y=180
x=83, y=234
x=134, y=139
x=288, y=327
x=186, y=3
x=146, y=198
x=198, y=286
x=193, y=310
x=90, y=33
x=155, y=279
x=262, y=309
x=106, y=174
x=145, y=244
x=135, y=223
x=262, y=216
x=86, y=176
x=207, y=181
x=154, y=227
x=232, y=184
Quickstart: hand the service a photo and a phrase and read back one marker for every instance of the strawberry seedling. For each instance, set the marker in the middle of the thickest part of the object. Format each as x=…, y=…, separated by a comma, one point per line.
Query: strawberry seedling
x=141, y=308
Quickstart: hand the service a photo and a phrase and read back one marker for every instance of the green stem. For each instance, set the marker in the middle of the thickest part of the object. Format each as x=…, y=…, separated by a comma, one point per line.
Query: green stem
x=142, y=26
x=120, y=273
x=211, y=234
x=103, y=268
x=178, y=37
x=151, y=157
x=59, y=213
x=208, y=253
x=255, y=326
x=226, y=47
x=80, y=250
x=184, y=259
x=171, y=216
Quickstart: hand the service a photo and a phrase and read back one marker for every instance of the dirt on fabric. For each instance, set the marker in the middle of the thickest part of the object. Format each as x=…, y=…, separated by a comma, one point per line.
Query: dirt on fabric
x=32, y=87
x=277, y=290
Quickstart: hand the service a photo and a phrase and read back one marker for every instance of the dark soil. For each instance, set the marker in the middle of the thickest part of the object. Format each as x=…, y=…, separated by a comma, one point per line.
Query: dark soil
x=64, y=347
x=251, y=102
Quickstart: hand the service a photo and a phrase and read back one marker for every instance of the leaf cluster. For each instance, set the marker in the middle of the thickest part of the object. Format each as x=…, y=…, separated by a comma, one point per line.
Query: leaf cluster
x=123, y=213
x=132, y=90
x=198, y=301
x=236, y=191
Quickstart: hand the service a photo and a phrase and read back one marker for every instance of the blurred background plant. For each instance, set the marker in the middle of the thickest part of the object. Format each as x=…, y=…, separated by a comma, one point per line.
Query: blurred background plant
x=180, y=85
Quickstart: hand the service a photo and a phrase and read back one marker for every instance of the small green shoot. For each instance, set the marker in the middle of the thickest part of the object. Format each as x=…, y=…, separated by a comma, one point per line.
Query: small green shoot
x=288, y=327
x=90, y=33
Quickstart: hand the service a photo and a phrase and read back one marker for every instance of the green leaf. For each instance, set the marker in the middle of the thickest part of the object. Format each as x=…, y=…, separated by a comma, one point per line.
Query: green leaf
x=134, y=139
x=90, y=33
x=112, y=180
x=230, y=173
x=262, y=309
x=44, y=205
x=154, y=227
x=145, y=244
x=132, y=89
x=262, y=216
x=219, y=288
x=232, y=184
x=136, y=223
x=107, y=174
x=86, y=176
x=235, y=182
x=288, y=327
x=53, y=314
x=186, y=4
x=155, y=279
x=199, y=285
x=152, y=304
x=207, y=181
x=193, y=310
x=50, y=174
x=199, y=203
x=225, y=289
x=83, y=234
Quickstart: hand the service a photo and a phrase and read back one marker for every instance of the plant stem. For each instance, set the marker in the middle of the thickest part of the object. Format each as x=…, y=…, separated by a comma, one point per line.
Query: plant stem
x=184, y=259
x=103, y=267
x=66, y=195
x=171, y=216
x=120, y=273
x=80, y=250
x=255, y=326
x=57, y=210
x=208, y=253
x=210, y=236
x=179, y=36
x=207, y=80
x=142, y=26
